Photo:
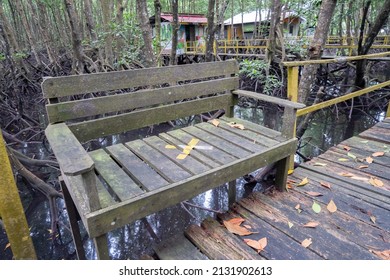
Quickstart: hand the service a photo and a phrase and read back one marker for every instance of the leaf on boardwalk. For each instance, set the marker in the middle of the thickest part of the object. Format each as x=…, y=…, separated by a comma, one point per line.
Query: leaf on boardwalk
x=343, y=159
x=331, y=206
x=215, y=122
x=311, y=224
x=290, y=224
x=170, y=147
x=259, y=245
x=298, y=208
x=247, y=226
x=316, y=207
x=346, y=174
x=319, y=164
x=315, y=194
x=376, y=182
x=236, y=125
x=237, y=221
x=351, y=155
x=369, y=159
x=363, y=166
x=364, y=141
x=325, y=185
x=373, y=219
x=307, y=242
x=234, y=227
x=347, y=148
x=378, y=154
x=303, y=182
x=7, y=246
x=385, y=255
x=289, y=186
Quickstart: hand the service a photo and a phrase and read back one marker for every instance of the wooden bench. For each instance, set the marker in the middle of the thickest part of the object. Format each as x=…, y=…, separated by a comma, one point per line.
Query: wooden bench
x=118, y=184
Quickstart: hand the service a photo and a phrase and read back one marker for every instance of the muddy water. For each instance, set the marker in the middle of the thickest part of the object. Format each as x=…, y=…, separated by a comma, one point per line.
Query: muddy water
x=136, y=239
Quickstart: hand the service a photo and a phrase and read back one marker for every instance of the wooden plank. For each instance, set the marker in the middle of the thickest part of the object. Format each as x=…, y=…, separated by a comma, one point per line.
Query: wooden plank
x=280, y=246
x=136, y=168
x=159, y=162
x=120, y=183
x=98, y=82
x=189, y=163
x=71, y=156
x=378, y=134
x=215, y=154
x=105, y=198
x=347, y=202
x=329, y=237
x=125, y=122
x=95, y=106
x=364, y=144
x=231, y=137
x=125, y=212
x=194, y=153
x=178, y=248
x=218, y=142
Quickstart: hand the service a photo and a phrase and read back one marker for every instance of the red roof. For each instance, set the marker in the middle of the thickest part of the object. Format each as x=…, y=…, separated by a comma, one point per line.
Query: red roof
x=186, y=18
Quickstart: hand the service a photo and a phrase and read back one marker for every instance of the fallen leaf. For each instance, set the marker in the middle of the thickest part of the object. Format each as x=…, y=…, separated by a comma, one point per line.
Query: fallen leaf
x=363, y=166
x=303, y=182
x=378, y=154
x=369, y=159
x=315, y=194
x=299, y=211
x=236, y=228
x=171, y=147
x=347, y=148
x=298, y=206
x=364, y=141
x=291, y=181
x=346, y=174
x=343, y=159
x=214, y=122
x=259, y=245
x=238, y=221
x=289, y=186
x=376, y=182
x=319, y=164
x=351, y=155
x=236, y=125
x=290, y=171
x=331, y=206
x=247, y=226
x=325, y=185
x=290, y=224
x=385, y=255
x=373, y=219
x=307, y=242
x=7, y=246
x=316, y=207
x=311, y=224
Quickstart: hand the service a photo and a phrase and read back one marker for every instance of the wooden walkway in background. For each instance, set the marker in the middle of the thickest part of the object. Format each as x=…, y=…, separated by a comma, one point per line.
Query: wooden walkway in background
x=359, y=229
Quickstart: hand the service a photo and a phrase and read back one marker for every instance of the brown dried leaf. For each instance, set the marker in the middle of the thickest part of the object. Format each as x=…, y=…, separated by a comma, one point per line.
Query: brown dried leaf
x=325, y=185
x=315, y=194
x=373, y=219
x=331, y=206
x=363, y=166
x=311, y=224
x=236, y=228
x=259, y=245
x=378, y=154
x=385, y=255
x=306, y=243
x=298, y=206
x=236, y=125
x=347, y=148
x=7, y=246
x=346, y=174
x=237, y=221
x=303, y=182
x=369, y=159
x=215, y=122
x=289, y=186
x=376, y=182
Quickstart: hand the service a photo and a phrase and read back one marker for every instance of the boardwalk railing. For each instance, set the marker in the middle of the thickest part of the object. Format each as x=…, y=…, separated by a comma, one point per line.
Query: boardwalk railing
x=292, y=83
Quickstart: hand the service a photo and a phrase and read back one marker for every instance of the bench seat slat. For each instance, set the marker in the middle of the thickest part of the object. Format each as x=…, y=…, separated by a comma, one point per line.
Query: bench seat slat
x=189, y=163
x=138, y=170
x=159, y=162
x=121, y=184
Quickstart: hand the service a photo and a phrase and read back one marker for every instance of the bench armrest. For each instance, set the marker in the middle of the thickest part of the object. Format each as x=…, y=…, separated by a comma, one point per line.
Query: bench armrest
x=71, y=156
x=278, y=101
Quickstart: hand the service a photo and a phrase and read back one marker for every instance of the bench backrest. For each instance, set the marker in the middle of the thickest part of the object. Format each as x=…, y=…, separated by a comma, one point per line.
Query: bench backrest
x=102, y=104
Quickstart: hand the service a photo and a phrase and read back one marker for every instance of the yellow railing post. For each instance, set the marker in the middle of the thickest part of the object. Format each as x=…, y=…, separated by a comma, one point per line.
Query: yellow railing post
x=292, y=95
x=12, y=212
x=388, y=110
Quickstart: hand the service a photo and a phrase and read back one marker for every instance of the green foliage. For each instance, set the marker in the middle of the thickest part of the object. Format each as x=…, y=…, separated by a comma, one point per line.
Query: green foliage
x=19, y=55
x=2, y=56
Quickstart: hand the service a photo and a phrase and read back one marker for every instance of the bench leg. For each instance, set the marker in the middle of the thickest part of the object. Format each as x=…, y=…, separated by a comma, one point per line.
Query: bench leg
x=73, y=221
x=282, y=167
x=232, y=192
x=101, y=246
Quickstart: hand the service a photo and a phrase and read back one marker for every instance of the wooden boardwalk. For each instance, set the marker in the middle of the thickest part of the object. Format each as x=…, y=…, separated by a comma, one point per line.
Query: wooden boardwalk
x=359, y=228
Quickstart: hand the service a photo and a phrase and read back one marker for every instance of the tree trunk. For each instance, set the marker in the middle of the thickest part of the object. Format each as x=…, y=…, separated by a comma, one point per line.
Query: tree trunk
x=276, y=10
x=143, y=17
x=175, y=29
x=221, y=19
x=119, y=21
x=78, y=52
x=210, y=32
x=157, y=8
x=108, y=40
x=309, y=72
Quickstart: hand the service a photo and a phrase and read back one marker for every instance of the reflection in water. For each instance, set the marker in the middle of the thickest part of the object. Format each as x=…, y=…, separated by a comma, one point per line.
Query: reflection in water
x=134, y=240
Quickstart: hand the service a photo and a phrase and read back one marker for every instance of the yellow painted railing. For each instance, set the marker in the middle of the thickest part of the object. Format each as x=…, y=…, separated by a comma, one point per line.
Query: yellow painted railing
x=12, y=212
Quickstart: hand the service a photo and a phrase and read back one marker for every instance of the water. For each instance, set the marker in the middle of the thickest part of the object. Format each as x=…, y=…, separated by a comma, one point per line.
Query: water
x=134, y=240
